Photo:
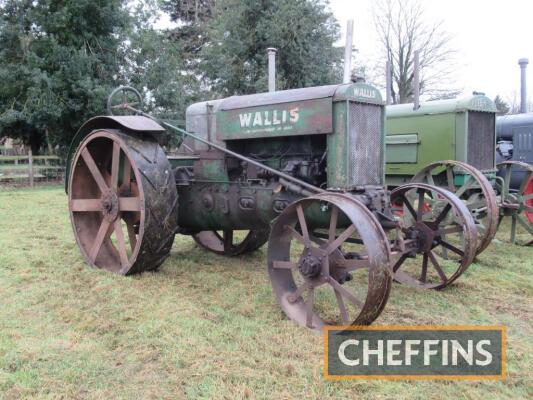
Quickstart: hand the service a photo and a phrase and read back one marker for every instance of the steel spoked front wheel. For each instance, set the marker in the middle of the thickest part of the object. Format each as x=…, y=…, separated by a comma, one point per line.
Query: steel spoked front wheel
x=473, y=188
x=438, y=238
x=328, y=262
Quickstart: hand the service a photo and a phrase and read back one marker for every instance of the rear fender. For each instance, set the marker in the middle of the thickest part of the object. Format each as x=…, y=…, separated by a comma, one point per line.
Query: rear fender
x=133, y=123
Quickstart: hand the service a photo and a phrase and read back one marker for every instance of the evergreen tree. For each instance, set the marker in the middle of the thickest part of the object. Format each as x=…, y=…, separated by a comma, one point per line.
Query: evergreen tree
x=58, y=61
x=502, y=107
x=234, y=60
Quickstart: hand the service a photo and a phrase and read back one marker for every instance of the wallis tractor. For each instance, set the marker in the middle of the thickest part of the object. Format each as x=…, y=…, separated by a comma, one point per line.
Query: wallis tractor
x=301, y=169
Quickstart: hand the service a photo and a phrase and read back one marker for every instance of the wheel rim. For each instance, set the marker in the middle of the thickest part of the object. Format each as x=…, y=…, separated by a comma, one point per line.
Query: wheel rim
x=229, y=243
x=106, y=204
x=443, y=236
x=476, y=192
x=528, y=196
x=315, y=280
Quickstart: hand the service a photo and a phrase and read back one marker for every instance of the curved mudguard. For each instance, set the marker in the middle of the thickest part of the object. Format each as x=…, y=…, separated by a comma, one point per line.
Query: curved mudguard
x=135, y=123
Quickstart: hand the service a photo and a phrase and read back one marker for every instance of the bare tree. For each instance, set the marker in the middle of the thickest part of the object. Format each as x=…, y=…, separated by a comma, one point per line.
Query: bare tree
x=402, y=29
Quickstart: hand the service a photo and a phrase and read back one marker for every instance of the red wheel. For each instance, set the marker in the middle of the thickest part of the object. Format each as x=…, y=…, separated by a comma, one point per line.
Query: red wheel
x=528, y=196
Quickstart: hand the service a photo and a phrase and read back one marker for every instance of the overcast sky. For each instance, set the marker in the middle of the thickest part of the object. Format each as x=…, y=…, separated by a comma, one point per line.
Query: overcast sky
x=490, y=36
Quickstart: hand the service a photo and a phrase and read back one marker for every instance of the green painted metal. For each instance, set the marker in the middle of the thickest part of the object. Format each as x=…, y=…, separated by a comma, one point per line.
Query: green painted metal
x=306, y=117
x=438, y=130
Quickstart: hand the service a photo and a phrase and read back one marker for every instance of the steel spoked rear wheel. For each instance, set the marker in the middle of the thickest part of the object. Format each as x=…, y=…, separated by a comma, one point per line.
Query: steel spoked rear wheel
x=438, y=237
x=337, y=273
x=230, y=242
x=473, y=188
x=122, y=202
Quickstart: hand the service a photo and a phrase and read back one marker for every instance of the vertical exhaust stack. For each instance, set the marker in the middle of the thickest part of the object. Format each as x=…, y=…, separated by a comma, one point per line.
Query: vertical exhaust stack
x=416, y=81
x=523, y=62
x=272, y=68
x=388, y=82
x=348, y=53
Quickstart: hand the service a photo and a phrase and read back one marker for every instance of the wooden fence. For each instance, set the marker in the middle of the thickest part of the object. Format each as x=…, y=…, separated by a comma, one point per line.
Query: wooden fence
x=16, y=169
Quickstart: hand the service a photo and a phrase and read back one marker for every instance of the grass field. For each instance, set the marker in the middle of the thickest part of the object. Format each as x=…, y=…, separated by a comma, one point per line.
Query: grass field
x=205, y=326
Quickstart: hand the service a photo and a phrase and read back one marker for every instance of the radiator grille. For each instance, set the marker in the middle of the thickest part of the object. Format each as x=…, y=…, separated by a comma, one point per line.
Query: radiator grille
x=365, y=144
x=481, y=133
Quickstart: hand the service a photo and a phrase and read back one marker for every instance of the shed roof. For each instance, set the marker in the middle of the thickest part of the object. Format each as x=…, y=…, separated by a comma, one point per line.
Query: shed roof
x=468, y=103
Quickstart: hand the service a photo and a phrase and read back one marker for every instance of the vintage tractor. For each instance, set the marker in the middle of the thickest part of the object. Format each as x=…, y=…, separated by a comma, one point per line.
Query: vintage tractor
x=515, y=153
x=302, y=169
x=452, y=144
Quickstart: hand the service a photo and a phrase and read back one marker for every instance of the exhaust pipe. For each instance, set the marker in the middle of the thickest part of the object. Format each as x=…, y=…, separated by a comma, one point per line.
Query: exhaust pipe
x=272, y=68
x=523, y=62
x=348, y=53
x=416, y=81
x=388, y=82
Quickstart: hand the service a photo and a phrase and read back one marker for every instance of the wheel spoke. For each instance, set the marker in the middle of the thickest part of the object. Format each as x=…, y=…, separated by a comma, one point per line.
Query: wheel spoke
x=465, y=187
x=341, y=239
x=121, y=244
x=437, y=266
x=79, y=205
x=333, y=224
x=342, y=307
x=100, y=236
x=227, y=239
x=423, y=274
x=352, y=265
x=296, y=235
x=131, y=233
x=451, y=247
x=309, y=307
x=115, y=166
x=399, y=263
x=284, y=265
x=127, y=173
x=129, y=204
x=338, y=287
x=420, y=211
x=409, y=207
x=443, y=213
x=97, y=175
x=450, y=178
x=303, y=224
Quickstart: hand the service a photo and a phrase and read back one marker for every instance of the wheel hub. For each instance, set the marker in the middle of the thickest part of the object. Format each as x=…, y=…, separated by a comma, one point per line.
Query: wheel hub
x=110, y=208
x=310, y=266
x=424, y=235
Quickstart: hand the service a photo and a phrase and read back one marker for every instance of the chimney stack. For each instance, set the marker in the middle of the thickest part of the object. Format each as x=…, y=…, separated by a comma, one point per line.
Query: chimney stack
x=523, y=62
x=272, y=68
x=416, y=80
x=388, y=82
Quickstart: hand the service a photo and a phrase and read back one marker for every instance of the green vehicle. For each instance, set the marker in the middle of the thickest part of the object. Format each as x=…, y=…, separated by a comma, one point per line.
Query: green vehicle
x=302, y=169
x=452, y=144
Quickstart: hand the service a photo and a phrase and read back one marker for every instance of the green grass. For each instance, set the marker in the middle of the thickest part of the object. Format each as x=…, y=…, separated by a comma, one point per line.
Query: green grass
x=205, y=326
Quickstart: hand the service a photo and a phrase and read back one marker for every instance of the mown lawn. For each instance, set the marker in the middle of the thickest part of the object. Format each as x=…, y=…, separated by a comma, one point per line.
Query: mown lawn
x=204, y=326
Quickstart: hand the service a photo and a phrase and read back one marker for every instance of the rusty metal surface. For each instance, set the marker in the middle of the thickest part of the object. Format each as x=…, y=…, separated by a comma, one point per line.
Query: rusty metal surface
x=226, y=245
x=323, y=264
x=436, y=220
x=134, y=123
x=123, y=202
x=477, y=193
x=278, y=97
x=515, y=203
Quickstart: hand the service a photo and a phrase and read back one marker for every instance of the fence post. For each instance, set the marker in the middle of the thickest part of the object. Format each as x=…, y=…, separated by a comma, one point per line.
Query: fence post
x=30, y=164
